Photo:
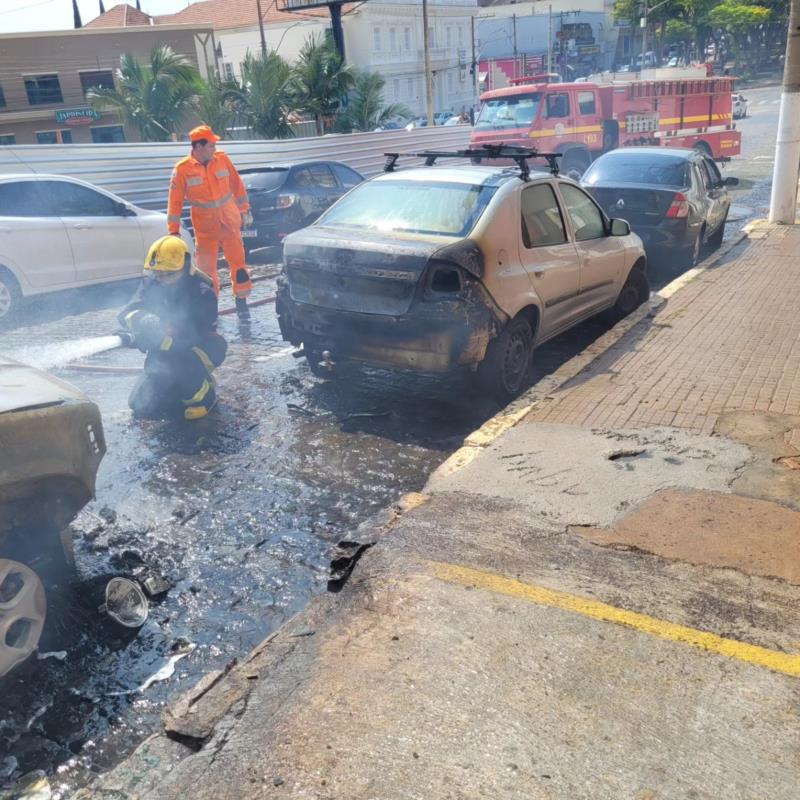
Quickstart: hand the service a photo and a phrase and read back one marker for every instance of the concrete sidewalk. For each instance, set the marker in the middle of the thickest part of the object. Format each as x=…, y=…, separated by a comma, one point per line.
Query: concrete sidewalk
x=598, y=602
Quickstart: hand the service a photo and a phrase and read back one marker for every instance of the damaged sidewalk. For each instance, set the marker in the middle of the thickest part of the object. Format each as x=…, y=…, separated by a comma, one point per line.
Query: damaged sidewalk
x=594, y=598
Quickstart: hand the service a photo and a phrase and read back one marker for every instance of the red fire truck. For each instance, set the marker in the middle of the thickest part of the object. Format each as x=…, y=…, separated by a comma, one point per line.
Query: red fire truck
x=583, y=120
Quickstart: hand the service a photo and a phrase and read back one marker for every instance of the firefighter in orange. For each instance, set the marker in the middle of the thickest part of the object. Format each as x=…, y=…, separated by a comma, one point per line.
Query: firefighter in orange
x=209, y=182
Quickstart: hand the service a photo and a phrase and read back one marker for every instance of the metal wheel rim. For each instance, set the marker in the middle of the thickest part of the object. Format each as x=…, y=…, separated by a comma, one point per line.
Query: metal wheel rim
x=28, y=604
x=5, y=299
x=628, y=299
x=514, y=363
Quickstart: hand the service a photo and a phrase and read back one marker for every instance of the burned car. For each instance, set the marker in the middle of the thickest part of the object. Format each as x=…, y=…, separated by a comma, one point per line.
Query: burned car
x=51, y=440
x=439, y=268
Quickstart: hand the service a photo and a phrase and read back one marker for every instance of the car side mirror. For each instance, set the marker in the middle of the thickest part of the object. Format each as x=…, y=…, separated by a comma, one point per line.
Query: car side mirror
x=620, y=227
x=730, y=182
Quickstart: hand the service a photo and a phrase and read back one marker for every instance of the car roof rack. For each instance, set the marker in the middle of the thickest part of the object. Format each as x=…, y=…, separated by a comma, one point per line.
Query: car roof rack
x=519, y=155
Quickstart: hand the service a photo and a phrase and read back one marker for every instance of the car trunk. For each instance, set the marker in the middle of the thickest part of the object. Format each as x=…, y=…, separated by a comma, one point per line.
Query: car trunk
x=367, y=272
x=639, y=204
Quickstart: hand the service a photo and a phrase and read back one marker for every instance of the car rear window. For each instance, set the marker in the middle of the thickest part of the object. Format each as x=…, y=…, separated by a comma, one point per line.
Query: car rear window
x=446, y=209
x=266, y=180
x=624, y=168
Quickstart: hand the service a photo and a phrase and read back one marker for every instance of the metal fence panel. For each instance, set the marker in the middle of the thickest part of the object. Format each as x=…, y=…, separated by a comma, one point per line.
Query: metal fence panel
x=140, y=172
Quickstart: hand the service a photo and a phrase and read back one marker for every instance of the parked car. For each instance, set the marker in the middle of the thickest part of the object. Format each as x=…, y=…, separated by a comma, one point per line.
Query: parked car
x=287, y=197
x=62, y=233
x=435, y=269
x=440, y=117
x=675, y=199
x=739, y=104
x=52, y=444
x=417, y=122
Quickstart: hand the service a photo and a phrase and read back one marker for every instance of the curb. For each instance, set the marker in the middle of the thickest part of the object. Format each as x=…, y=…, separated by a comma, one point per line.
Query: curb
x=515, y=412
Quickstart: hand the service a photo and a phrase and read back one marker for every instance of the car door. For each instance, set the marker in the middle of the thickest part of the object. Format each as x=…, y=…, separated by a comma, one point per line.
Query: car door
x=602, y=256
x=106, y=241
x=549, y=258
x=717, y=194
x=33, y=240
x=325, y=185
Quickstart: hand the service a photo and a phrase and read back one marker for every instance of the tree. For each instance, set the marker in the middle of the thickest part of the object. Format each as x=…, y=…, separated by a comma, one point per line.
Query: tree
x=264, y=98
x=216, y=104
x=76, y=15
x=366, y=110
x=321, y=80
x=152, y=98
x=740, y=20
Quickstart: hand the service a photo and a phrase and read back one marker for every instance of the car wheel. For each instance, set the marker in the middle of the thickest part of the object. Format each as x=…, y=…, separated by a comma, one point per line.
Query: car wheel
x=715, y=240
x=635, y=291
x=10, y=295
x=574, y=164
x=507, y=362
x=23, y=608
x=694, y=253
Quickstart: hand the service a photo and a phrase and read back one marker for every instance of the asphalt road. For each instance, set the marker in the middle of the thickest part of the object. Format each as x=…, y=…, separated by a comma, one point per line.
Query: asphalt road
x=239, y=512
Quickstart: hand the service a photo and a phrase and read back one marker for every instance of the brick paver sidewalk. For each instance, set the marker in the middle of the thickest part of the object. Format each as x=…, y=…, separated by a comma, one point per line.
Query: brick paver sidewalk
x=728, y=341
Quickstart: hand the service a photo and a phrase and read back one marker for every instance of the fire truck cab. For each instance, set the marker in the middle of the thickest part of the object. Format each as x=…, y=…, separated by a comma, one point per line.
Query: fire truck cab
x=583, y=120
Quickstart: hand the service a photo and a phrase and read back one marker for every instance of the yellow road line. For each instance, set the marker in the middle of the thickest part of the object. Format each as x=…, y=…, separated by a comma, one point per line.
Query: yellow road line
x=753, y=654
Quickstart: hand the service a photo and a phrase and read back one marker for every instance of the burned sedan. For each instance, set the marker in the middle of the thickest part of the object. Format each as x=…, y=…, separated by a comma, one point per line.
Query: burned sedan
x=438, y=268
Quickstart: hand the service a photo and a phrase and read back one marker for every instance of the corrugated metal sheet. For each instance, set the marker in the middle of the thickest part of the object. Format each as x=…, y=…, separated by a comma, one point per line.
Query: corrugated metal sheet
x=140, y=172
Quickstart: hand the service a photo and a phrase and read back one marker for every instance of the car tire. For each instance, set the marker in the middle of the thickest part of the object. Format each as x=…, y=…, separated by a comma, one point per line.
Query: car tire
x=574, y=164
x=635, y=291
x=694, y=253
x=10, y=296
x=507, y=362
x=715, y=240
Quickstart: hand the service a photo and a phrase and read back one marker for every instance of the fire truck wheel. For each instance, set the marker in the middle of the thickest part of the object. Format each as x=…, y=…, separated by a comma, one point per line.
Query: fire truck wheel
x=575, y=163
x=704, y=148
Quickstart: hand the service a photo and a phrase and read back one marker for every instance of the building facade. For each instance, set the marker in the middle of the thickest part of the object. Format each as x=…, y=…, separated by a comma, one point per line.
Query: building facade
x=44, y=79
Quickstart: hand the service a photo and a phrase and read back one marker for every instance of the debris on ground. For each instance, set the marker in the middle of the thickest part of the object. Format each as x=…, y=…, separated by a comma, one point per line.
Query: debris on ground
x=59, y=655
x=33, y=786
x=125, y=603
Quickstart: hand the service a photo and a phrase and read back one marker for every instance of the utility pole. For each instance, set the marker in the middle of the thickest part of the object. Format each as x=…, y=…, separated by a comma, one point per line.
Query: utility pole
x=549, y=39
x=475, y=98
x=428, y=72
x=514, y=23
x=261, y=29
x=783, y=202
x=643, y=24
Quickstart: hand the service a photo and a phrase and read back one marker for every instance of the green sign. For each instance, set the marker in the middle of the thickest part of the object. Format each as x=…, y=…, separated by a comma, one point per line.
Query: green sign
x=76, y=116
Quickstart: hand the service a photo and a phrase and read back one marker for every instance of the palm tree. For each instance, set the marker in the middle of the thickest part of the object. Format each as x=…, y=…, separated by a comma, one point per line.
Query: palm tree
x=321, y=80
x=263, y=99
x=366, y=110
x=153, y=98
x=217, y=104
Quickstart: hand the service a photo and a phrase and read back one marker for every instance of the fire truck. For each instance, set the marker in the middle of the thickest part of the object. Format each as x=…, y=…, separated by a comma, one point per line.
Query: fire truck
x=583, y=120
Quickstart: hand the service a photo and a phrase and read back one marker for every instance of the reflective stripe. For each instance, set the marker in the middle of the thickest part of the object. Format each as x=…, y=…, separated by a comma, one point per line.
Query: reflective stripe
x=199, y=394
x=194, y=181
x=212, y=203
x=129, y=317
x=223, y=173
x=173, y=217
x=203, y=356
x=166, y=343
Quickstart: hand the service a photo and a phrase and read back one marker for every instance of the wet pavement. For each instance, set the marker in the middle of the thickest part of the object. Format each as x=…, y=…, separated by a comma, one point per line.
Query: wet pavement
x=238, y=512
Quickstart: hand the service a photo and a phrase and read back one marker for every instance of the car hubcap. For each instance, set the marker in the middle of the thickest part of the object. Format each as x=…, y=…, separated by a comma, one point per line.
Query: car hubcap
x=22, y=613
x=5, y=299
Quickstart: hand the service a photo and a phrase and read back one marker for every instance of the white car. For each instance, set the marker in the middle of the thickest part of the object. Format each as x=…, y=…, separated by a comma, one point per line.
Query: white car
x=63, y=233
x=739, y=102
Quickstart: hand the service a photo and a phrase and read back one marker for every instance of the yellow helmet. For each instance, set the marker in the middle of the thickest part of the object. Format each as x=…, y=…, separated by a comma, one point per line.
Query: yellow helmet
x=167, y=255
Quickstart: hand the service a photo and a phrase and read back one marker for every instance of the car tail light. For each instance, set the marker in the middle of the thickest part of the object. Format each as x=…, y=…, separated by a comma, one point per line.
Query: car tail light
x=286, y=200
x=445, y=279
x=679, y=207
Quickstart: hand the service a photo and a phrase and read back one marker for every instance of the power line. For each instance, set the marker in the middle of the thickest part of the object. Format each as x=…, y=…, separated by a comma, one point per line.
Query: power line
x=27, y=7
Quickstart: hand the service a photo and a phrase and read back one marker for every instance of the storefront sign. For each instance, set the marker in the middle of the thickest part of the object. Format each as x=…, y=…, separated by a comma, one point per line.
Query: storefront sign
x=76, y=116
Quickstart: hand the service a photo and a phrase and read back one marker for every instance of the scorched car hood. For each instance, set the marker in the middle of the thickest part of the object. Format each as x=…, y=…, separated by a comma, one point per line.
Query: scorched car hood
x=23, y=387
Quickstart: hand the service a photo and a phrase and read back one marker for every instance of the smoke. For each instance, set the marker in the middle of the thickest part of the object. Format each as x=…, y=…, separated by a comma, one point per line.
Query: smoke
x=59, y=353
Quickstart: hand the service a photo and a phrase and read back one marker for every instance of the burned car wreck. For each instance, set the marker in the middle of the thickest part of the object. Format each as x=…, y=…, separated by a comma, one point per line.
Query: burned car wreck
x=439, y=268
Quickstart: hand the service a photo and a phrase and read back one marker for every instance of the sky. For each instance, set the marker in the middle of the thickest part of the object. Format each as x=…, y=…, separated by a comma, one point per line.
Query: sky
x=54, y=15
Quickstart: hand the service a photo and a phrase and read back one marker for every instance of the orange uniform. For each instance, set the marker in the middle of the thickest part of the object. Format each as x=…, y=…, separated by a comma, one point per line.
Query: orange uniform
x=218, y=199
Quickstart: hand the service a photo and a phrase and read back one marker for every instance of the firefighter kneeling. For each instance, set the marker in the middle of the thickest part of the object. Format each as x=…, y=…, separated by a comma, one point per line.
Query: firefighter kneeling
x=172, y=318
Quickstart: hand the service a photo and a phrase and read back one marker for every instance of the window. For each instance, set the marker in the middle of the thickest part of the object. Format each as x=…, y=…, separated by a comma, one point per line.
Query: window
x=448, y=37
x=51, y=137
x=321, y=175
x=393, y=39
x=513, y=111
x=2, y=98
x=264, y=180
x=410, y=87
x=714, y=173
x=542, y=223
x=450, y=81
x=301, y=178
x=587, y=220
x=586, y=102
x=105, y=134
x=407, y=37
x=396, y=87
x=460, y=36
x=227, y=70
x=347, y=177
x=376, y=38
x=708, y=180
x=74, y=200
x=557, y=105
x=103, y=78
x=22, y=199
x=7, y=138
x=43, y=89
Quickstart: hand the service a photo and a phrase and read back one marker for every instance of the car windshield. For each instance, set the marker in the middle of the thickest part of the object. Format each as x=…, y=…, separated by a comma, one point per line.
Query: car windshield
x=444, y=209
x=513, y=111
x=266, y=180
x=624, y=168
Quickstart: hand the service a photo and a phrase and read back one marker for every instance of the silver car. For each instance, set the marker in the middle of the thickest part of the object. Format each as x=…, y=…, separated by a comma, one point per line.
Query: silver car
x=437, y=268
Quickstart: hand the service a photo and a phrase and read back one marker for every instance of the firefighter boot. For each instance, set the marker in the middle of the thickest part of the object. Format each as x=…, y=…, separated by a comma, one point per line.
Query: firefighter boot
x=197, y=409
x=241, y=308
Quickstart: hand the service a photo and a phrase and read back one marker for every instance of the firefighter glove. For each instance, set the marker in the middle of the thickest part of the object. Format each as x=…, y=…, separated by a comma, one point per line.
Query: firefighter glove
x=149, y=332
x=127, y=338
x=247, y=219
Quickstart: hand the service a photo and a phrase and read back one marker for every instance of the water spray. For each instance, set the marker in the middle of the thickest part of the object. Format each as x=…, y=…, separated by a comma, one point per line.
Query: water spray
x=57, y=354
